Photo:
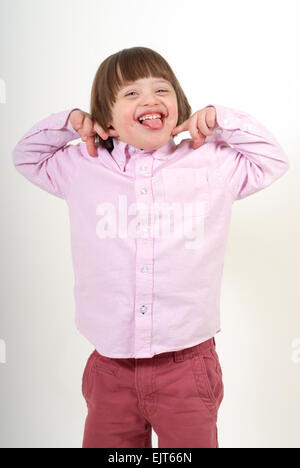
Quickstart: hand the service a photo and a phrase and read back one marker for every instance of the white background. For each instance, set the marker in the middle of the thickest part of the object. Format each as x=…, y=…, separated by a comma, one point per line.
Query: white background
x=240, y=54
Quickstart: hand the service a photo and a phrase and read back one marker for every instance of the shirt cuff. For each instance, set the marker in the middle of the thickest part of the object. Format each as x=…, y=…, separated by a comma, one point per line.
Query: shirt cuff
x=232, y=119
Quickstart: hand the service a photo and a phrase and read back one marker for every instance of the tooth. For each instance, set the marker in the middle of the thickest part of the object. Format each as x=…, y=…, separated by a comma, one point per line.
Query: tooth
x=151, y=116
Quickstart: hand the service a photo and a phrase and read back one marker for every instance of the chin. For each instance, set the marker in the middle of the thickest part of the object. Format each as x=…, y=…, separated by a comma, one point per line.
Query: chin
x=152, y=145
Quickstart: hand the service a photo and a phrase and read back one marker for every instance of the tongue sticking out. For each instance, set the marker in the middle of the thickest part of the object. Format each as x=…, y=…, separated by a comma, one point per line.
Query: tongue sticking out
x=155, y=124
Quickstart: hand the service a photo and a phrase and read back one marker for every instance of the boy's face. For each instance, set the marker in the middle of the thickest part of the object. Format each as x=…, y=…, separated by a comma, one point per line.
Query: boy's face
x=145, y=96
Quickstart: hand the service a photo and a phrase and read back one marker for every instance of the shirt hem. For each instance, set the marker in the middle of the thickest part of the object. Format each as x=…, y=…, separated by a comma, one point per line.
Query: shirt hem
x=166, y=350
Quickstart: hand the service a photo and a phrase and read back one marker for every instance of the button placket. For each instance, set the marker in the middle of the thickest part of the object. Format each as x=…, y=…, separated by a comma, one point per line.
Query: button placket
x=144, y=258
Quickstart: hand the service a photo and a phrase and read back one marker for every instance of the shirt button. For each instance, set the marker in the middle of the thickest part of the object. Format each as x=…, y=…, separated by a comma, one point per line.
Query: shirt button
x=143, y=168
x=218, y=130
x=143, y=309
x=144, y=269
x=144, y=190
x=58, y=122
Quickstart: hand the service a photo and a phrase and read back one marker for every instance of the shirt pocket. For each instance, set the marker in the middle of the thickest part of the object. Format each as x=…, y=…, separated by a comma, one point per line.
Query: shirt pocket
x=187, y=186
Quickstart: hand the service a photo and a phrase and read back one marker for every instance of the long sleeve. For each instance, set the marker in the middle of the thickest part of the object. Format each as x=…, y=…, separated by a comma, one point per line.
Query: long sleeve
x=248, y=157
x=42, y=156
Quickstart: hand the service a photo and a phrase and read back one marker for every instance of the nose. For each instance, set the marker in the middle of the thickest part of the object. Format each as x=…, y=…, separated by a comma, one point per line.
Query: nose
x=150, y=101
x=150, y=98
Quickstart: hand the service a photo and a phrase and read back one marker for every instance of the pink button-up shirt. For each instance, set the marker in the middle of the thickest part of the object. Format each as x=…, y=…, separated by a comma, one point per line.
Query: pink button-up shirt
x=149, y=228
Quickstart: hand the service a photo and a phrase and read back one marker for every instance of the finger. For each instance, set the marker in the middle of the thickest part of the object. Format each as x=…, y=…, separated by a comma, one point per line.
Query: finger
x=198, y=138
x=210, y=117
x=90, y=138
x=88, y=135
x=78, y=120
x=202, y=125
x=98, y=129
x=88, y=127
x=199, y=142
x=91, y=147
x=181, y=128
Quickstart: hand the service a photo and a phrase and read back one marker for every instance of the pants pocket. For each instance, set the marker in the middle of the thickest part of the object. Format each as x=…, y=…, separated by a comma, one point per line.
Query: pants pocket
x=106, y=365
x=209, y=379
x=97, y=365
x=86, y=374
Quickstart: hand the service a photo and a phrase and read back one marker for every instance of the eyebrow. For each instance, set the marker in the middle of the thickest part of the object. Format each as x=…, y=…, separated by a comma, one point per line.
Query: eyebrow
x=130, y=83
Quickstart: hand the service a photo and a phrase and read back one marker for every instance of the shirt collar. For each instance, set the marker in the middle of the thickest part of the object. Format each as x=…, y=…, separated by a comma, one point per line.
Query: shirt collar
x=121, y=149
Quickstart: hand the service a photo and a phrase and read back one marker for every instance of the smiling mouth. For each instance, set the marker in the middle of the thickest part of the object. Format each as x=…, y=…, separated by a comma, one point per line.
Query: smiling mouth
x=163, y=118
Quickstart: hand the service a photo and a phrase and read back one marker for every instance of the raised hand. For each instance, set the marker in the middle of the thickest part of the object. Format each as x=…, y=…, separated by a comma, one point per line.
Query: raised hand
x=82, y=122
x=200, y=125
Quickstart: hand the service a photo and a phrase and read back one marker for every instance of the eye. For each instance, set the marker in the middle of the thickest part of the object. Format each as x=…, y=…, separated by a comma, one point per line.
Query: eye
x=132, y=92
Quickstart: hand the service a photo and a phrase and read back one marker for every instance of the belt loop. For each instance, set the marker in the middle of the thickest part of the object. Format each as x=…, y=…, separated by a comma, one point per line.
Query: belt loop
x=178, y=355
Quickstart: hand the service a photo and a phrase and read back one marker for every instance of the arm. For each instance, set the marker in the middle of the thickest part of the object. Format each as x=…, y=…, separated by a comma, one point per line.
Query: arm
x=43, y=157
x=248, y=157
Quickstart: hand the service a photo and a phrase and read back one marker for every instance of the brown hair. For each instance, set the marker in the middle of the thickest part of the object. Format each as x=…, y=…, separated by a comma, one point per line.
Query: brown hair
x=133, y=64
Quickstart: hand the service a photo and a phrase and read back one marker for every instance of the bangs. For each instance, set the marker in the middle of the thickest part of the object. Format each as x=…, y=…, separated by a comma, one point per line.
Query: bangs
x=132, y=66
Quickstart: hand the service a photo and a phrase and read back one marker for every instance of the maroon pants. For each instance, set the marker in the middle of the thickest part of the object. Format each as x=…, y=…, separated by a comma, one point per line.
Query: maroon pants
x=178, y=393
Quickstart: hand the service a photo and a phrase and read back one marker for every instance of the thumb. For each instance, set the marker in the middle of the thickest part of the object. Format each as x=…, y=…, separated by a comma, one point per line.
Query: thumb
x=100, y=131
x=105, y=133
